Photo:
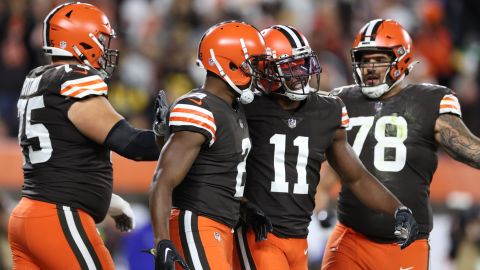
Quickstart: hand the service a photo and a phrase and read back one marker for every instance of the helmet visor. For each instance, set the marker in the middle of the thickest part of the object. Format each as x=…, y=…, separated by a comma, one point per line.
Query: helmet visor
x=294, y=72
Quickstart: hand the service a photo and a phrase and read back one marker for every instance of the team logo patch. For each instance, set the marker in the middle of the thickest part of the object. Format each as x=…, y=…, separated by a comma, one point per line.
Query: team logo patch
x=63, y=44
x=292, y=123
x=217, y=236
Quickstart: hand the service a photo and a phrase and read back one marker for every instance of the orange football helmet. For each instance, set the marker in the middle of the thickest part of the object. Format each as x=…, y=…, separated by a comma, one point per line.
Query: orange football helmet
x=383, y=36
x=294, y=63
x=233, y=51
x=81, y=31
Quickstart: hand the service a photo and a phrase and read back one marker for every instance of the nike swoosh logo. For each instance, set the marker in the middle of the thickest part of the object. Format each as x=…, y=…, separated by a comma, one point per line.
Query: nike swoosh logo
x=305, y=251
x=166, y=254
x=198, y=102
x=83, y=71
x=408, y=268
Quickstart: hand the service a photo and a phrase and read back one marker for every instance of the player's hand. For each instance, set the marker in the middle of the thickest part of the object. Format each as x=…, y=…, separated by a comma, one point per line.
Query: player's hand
x=167, y=255
x=406, y=228
x=122, y=213
x=254, y=217
x=160, y=127
x=326, y=218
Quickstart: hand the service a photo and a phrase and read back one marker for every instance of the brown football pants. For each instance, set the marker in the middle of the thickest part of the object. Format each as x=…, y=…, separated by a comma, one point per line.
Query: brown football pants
x=349, y=250
x=55, y=237
x=202, y=242
x=275, y=253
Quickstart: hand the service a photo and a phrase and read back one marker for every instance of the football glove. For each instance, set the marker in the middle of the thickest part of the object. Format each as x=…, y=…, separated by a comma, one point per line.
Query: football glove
x=254, y=217
x=161, y=107
x=406, y=228
x=167, y=255
x=122, y=213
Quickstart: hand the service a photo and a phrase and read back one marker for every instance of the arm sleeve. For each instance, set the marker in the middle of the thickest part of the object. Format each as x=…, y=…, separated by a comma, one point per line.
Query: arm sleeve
x=132, y=143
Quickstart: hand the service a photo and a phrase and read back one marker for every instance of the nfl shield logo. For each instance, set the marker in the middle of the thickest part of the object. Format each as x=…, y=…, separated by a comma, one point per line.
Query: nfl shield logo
x=292, y=123
x=217, y=236
x=240, y=122
x=211, y=62
x=378, y=106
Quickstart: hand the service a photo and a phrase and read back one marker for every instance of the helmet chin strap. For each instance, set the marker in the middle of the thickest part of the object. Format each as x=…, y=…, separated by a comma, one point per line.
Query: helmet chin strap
x=379, y=90
x=294, y=96
x=375, y=91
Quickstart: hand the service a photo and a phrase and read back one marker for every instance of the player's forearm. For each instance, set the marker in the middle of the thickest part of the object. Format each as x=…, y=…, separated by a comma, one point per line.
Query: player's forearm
x=457, y=140
x=374, y=195
x=160, y=207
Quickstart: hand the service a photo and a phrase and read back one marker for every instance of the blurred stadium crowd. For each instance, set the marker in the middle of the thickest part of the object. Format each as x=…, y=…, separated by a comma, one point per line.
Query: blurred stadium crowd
x=157, y=40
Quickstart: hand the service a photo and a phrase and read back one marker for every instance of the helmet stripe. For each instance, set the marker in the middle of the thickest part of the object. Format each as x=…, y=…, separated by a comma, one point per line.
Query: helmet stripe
x=371, y=30
x=298, y=35
x=46, y=24
x=375, y=29
x=290, y=35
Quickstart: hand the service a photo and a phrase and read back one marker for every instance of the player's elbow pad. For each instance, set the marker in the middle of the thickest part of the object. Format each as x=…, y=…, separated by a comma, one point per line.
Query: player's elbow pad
x=132, y=143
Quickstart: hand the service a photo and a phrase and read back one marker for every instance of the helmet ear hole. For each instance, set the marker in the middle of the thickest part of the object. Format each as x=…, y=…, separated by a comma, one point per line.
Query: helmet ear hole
x=232, y=66
x=85, y=46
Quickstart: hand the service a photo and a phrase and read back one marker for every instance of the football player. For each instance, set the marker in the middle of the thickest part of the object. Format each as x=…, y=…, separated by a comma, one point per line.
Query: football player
x=198, y=182
x=395, y=129
x=293, y=130
x=67, y=129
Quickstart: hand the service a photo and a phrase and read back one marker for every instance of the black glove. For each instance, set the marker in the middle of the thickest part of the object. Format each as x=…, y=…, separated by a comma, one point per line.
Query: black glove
x=167, y=255
x=161, y=107
x=121, y=211
x=124, y=223
x=406, y=228
x=254, y=217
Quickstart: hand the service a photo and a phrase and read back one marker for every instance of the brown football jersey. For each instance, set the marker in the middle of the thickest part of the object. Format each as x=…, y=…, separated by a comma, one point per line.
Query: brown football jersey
x=61, y=165
x=287, y=151
x=215, y=182
x=394, y=138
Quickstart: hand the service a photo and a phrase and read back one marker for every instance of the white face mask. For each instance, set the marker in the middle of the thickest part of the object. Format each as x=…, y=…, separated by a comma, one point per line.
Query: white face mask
x=379, y=90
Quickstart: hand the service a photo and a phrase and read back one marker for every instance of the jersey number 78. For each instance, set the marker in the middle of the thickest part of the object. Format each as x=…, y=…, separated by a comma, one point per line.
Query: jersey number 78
x=384, y=143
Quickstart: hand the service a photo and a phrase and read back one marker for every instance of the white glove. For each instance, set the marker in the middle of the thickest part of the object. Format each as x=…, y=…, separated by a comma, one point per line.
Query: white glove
x=122, y=213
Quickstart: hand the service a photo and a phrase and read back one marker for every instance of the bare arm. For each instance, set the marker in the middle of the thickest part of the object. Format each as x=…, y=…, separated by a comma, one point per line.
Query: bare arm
x=455, y=138
x=364, y=185
x=94, y=117
x=176, y=158
x=327, y=181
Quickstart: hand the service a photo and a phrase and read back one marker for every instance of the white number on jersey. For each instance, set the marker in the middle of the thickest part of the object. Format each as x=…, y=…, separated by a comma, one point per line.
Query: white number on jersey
x=383, y=141
x=280, y=184
x=41, y=150
x=246, y=145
